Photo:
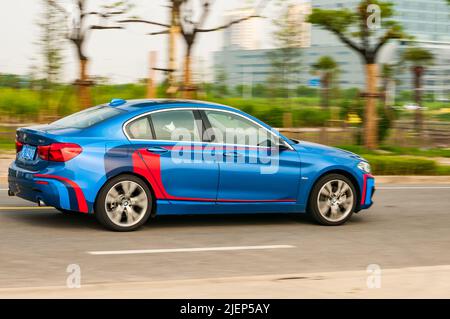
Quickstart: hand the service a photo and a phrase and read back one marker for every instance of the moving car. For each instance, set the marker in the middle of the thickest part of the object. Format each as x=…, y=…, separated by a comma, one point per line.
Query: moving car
x=126, y=161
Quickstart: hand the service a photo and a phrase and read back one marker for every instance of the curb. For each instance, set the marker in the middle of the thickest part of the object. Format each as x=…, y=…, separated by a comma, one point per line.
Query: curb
x=401, y=180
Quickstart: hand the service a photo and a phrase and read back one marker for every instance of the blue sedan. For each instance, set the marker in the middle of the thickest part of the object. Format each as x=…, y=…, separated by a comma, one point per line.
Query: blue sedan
x=126, y=161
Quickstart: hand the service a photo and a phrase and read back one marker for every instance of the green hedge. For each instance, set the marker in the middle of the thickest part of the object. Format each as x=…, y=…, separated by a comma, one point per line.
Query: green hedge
x=404, y=165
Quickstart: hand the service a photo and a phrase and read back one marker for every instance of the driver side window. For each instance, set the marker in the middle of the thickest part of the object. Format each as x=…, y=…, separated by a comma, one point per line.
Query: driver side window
x=229, y=128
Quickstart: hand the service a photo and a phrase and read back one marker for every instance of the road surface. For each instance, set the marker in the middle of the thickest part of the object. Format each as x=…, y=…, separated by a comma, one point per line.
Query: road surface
x=406, y=233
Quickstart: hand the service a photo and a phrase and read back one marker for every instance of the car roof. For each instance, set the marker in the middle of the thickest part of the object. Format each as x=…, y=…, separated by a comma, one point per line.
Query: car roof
x=148, y=104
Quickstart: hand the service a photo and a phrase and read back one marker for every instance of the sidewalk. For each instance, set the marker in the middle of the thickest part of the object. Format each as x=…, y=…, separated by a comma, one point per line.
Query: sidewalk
x=411, y=282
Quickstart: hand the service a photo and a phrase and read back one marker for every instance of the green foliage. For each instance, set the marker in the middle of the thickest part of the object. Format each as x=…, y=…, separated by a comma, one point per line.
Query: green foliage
x=310, y=117
x=273, y=117
x=19, y=102
x=333, y=20
x=398, y=150
x=417, y=56
x=384, y=124
x=286, y=60
x=220, y=89
x=104, y=93
x=352, y=28
x=305, y=91
x=52, y=36
x=433, y=152
x=443, y=117
x=325, y=63
x=259, y=90
x=402, y=165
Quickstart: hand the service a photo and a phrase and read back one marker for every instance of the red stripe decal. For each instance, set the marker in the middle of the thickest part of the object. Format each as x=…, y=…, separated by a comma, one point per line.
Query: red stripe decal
x=82, y=205
x=153, y=163
x=364, y=191
x=140, y=167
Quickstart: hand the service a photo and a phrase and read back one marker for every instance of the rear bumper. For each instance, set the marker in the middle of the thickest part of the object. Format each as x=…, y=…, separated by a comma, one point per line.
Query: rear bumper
x=52, y=190
x=22, y=184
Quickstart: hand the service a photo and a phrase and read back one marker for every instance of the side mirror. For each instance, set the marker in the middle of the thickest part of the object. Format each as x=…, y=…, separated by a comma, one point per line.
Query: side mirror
x=283, y=147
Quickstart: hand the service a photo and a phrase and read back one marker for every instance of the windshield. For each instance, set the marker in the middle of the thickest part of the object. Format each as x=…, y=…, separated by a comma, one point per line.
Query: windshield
x=87, y=118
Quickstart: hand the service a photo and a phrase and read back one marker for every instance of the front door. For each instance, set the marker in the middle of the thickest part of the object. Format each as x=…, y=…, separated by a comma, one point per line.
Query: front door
x=253, y=167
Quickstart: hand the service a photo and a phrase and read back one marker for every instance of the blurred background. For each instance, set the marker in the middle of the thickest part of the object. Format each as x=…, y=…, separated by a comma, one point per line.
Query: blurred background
x=372, y=77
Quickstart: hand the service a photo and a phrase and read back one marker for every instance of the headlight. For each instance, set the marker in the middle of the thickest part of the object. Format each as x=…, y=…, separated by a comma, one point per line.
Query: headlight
x=365, y=167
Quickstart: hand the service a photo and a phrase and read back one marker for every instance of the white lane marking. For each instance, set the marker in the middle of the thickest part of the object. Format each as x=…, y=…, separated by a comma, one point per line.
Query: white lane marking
x=25, y=208
x=3, y=189
x=185, y=250
x=414, y=187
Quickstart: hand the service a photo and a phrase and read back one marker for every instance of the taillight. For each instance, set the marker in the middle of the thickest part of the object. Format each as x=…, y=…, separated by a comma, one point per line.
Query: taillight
x=59, y=152
x=19, y=146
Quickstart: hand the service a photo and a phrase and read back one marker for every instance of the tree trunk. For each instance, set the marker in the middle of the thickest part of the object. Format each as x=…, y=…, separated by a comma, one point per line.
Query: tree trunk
x=325, y=90
x=370, y=113
x=188, y=90
x=417, y=78
x=173, y=33
x=83, y=86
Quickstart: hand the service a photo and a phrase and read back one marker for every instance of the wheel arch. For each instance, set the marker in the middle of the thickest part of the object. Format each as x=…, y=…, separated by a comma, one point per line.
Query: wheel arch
x=141, y=177
x=345, y=173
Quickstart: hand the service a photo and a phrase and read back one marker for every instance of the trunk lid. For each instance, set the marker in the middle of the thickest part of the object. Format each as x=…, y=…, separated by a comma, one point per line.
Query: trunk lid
x=31, y=138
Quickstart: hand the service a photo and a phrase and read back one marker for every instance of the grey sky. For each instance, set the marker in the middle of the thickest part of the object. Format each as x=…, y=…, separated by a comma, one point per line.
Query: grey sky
x=119, y=55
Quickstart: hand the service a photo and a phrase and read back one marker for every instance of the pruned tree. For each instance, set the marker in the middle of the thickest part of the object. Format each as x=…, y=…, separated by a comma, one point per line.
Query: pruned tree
x=418, y=59
x=365, y=30
x=79, y=26
x=182, y=16
x=50, y=41
x=49, y=66
x=286, y=58
x=388, y=82
x=327, y=67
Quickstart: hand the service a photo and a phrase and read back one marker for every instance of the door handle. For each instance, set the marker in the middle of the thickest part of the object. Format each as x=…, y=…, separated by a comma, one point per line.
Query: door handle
x=232, y=154
x=157, y=149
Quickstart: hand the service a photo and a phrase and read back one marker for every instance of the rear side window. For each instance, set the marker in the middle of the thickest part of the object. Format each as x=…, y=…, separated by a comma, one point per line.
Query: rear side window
x=176, y=126
x=87, y=118
x=140, y=129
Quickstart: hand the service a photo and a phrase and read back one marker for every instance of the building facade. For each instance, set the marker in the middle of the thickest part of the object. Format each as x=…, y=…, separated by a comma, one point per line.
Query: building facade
x=428, y=21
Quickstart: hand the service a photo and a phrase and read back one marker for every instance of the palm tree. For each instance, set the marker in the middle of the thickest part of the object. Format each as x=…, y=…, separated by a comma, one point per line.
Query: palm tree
x=327, y=67
x=387, y=78
x=418, y=59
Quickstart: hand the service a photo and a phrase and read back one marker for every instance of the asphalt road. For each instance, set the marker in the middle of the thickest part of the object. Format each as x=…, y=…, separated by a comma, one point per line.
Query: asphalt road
x=408, y=226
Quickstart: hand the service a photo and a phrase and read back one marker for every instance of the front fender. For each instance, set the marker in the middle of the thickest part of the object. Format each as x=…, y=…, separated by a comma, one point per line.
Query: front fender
x=313, y=167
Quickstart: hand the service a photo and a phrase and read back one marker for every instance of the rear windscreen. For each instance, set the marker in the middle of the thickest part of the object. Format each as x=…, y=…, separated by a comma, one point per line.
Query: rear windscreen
x=87, y=118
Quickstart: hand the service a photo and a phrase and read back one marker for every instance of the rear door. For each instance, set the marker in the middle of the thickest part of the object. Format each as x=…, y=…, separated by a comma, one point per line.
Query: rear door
x=169, y=142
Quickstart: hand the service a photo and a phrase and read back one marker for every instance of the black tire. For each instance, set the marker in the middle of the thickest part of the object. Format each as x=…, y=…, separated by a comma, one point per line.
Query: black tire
x=100, y=204
x=313, y=206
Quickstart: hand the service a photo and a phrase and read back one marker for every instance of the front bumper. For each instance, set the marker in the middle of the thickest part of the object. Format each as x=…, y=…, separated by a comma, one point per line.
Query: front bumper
x=368, y=191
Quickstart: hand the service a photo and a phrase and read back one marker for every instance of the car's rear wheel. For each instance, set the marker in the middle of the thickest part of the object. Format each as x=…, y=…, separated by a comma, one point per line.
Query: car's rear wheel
x=124, y=203
x=332, y=200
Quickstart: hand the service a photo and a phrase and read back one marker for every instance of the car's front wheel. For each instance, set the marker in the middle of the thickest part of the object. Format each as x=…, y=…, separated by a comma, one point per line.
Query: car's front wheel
x=124, y=203
x=333, y=200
